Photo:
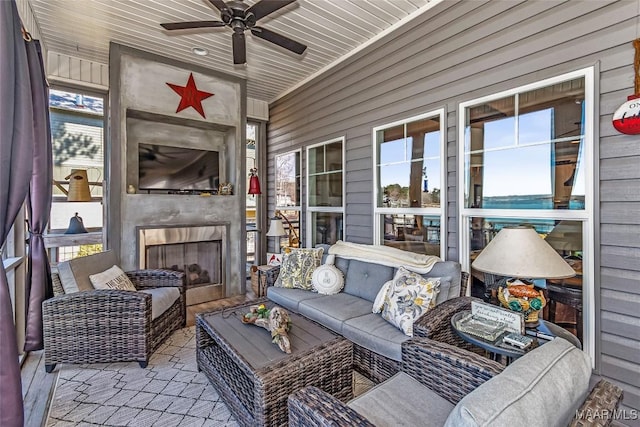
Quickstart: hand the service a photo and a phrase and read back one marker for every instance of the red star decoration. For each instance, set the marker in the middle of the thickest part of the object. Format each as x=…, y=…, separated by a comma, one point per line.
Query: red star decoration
x=191, y=96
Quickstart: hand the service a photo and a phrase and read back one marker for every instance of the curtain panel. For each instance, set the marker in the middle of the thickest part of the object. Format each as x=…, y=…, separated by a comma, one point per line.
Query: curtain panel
x=38, y=286
x=21, y=104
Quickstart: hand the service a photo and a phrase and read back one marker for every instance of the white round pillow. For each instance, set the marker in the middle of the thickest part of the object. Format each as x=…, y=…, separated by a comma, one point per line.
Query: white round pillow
x=327, y=279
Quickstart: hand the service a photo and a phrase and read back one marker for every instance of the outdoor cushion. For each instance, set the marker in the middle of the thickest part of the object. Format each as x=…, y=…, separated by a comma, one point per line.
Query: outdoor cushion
x=74, y=274
x=374, y=333
x=112, y=278
x=378, y=303
x=162, y=299
x=297, y=268
x=289, y=298
x=402, y=401
x=364, y=279
x=450, y=270
x=542, y=389
x=332, y=310
x=327, y=279
x=410, y=296
x=445, y=284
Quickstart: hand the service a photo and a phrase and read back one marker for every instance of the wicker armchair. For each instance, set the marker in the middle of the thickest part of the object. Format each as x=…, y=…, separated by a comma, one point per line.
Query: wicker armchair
x=110, y=325
x=451, y=373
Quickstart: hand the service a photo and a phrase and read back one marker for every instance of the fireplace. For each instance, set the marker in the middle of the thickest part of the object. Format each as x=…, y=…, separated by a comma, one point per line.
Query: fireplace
x=199, y=251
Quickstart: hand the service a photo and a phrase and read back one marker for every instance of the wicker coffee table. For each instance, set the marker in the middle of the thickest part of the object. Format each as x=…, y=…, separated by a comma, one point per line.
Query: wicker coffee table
x=254, y=377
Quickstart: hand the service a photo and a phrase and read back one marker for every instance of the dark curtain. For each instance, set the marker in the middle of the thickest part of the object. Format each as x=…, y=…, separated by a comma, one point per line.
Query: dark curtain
x=16, y=165
x=38, y=286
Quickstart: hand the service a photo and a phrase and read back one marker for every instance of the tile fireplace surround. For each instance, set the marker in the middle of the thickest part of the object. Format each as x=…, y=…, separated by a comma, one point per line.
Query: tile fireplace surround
x=199, y=250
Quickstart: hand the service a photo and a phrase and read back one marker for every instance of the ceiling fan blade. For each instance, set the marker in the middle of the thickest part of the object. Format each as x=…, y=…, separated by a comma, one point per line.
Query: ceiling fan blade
x=218, y=4
x=239, y=48
x=265, y=7
x=279, y=39
x=192, y=24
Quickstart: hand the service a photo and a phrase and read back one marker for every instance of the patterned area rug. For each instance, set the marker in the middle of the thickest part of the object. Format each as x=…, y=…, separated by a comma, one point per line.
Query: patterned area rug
x=169, y=392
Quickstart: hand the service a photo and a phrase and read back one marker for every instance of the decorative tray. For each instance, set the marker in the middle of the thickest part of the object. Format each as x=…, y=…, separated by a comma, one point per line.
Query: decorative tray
x=486, y=329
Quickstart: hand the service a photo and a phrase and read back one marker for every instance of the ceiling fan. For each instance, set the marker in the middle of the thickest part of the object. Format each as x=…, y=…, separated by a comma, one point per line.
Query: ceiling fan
x=240, y=17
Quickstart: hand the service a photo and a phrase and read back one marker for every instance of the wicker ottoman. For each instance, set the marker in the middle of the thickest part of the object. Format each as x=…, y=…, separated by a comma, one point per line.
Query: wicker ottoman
x=254, y=377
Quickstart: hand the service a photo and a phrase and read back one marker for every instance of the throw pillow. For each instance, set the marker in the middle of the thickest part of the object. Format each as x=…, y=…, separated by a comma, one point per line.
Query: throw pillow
x=410, y=296
x=297, y=268
x=112, y=278
x=327, y=279
x=378, y=303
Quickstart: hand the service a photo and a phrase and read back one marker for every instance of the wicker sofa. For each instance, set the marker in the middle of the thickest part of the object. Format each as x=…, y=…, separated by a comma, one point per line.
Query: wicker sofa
x=95, y=326
x=442, y=384
x=377, y=343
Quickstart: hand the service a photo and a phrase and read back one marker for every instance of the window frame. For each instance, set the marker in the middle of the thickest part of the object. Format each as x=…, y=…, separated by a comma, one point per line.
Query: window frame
x=55, y=238
x=586, y=216
x=296, y=208
x=439, y=212
x=324, y=209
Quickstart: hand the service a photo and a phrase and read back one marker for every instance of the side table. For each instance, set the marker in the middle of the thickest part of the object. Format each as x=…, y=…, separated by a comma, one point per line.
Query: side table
x=539, y=334
x=265, y=276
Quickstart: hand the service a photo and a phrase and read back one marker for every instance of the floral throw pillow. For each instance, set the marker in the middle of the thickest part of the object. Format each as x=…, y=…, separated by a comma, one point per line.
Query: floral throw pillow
x=409, y=296
x=297, y=268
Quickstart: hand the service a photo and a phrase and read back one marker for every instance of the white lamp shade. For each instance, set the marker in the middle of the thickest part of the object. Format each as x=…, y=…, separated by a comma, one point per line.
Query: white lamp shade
x=566, y=236
x=276, y=229
x=521, y=252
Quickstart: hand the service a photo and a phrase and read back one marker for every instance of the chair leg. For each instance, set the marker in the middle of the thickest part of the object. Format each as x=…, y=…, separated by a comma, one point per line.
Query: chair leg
x=579, y=324
x=552, y=311
x=143, y=363
x=50, y=368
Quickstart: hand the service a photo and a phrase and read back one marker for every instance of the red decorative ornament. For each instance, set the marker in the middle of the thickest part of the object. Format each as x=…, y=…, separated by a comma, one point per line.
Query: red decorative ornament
x=191, y=96
x=626, y=119
x=254, y=182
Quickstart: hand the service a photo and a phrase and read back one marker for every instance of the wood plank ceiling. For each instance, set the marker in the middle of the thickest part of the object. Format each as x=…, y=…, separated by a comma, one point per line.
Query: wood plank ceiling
x=330, y=28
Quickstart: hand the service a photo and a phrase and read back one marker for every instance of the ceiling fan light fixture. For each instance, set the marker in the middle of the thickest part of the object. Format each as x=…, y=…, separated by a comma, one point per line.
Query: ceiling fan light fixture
x=200, y=51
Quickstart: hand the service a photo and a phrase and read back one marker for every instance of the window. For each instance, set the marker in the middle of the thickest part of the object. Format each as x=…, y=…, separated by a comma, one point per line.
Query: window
x=252, y=133
x=288, y=184
x=409, y=176
x=325, y=190
x=527, y=158
x=77, y=124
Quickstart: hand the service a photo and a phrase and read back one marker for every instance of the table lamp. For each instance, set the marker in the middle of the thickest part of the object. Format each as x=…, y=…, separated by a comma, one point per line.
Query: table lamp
x=518, y=252
x=566, y=236
x=276, y=229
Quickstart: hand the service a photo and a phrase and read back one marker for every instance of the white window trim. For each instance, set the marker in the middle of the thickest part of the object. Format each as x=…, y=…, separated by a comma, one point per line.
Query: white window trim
x=587, y=216
x=439, y=212
x=297, y=207
x=332, y=209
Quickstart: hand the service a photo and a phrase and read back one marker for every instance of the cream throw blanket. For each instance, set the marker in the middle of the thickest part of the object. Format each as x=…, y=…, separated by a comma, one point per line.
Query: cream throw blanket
x=385, y=255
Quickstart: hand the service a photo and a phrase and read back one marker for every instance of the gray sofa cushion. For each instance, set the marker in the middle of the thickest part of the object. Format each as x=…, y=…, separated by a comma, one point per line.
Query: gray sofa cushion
x=450, y=270
x=290, y=298
x=74, y=274
x=542, y=388
x=402, y=401
x=332, y=310
x=364, y=279
x=161, y=299
x=374, y=333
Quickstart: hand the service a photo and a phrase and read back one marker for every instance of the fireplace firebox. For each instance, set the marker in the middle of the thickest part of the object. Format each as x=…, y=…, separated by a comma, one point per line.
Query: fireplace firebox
x=198, y=251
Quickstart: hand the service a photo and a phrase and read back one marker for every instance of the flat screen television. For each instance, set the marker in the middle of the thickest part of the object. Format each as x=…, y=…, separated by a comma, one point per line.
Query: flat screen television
x=165, y=168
